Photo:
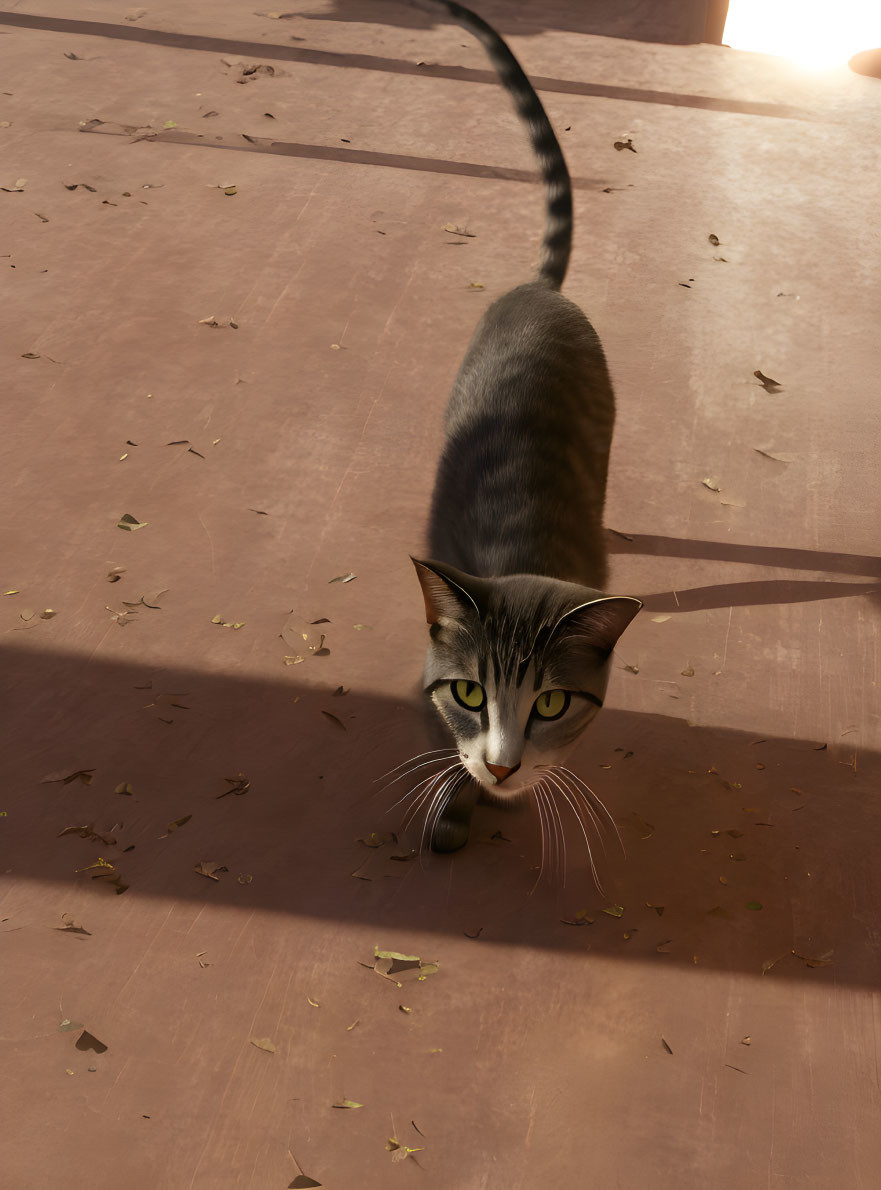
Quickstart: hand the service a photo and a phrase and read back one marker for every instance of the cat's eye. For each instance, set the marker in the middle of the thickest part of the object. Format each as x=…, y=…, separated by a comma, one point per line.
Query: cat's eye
x=552, y=704
x=470, y=695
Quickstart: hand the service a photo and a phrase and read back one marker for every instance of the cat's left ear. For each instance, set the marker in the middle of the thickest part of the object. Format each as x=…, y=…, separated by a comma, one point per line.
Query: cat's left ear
x=449, y=594
x=601, y=622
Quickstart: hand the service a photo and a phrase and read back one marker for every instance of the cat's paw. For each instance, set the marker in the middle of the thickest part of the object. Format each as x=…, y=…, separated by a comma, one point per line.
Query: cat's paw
x=450, y=834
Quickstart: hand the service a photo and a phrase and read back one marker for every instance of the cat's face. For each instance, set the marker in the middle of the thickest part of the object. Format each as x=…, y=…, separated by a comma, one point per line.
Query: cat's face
x=517, y=668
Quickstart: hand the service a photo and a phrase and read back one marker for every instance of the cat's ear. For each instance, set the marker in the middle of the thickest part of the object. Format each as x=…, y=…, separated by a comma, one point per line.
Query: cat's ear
x=600, y=622
x=449, y=594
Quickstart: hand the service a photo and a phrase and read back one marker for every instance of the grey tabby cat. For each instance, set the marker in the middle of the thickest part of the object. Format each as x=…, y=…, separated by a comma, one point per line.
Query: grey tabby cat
x=521, y=633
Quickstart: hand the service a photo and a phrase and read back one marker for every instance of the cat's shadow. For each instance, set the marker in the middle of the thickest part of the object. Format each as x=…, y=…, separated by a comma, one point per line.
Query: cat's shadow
x=753, y=592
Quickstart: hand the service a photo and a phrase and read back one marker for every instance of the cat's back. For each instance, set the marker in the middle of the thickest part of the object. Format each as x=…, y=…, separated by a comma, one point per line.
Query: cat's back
x=534, y=354
x=521, y=482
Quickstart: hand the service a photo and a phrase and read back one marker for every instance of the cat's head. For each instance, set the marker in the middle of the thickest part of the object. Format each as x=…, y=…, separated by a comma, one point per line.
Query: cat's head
x=517, y=667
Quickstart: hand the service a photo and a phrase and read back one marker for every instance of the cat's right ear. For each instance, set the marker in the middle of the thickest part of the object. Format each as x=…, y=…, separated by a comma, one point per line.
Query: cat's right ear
x=445, y=596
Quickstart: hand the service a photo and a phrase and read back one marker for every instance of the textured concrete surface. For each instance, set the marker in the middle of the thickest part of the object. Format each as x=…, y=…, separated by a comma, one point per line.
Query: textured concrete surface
x=740, y=748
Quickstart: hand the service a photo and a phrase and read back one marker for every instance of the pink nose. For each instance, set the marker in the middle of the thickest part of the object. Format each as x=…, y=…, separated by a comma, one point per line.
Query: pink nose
x=500, y=772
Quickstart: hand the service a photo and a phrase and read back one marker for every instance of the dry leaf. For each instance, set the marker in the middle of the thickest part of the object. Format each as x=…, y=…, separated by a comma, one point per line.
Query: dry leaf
x=130, y=523
x=263, y=1043
x=342, y=578
x=823, y=960
x=84, y=776
x=774, y=458
x=459, y=231
x=206, y=868
x=711, y=484
x=476, y=285
x=688, y=672
x=346, y=1103
x=173, y=826
x=238, y=785
x=124, y=788
x=580, y=919
x=769, y=385
x=615, y=911
x=86, y=1041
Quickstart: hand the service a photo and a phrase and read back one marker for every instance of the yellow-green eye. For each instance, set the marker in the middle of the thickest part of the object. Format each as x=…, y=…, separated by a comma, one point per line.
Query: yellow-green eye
x=552, y=704
x=470, y=695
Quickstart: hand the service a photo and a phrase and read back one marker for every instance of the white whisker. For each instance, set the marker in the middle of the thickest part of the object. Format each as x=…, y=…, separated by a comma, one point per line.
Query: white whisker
x=439, y=803
x=559, y=832
x=411, y=792
x=429, y=782
x=539, y=805
x=598, y=802
x=565, y=792
x=444, y=754
x=592, y=815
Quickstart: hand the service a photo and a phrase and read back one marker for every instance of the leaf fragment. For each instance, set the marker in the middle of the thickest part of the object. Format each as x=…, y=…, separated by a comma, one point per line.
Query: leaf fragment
x=581, y=918
x=688, y=672
x=754, y=904
x=173, y=826
x=614, y=910
x=714, y=240
x=374, y=839
x=711, y=484
x=769, y=385
x=342, y=578
x=624, y=144
x=130, y=523
x=314, y=1003
x=339, y=723
x=453, y=229
x=209, y=869
x=239, y=785
x=87, y=1041
x=124, y=788
x=263, y=1043
x=666, y=1046
x=346, y=1103
x=84, y=776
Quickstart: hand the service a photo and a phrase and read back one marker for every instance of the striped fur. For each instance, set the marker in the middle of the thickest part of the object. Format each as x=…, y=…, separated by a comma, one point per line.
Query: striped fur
x=557, y=243
x=514, y=588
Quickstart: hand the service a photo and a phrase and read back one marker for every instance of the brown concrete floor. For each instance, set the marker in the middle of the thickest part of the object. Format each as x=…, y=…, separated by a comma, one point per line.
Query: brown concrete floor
x=534, y=1055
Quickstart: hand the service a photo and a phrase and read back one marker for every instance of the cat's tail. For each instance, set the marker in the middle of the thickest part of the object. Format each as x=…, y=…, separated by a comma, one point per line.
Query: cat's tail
x=557, y=243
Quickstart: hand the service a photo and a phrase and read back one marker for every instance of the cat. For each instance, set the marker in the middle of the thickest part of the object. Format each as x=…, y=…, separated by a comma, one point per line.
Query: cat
x=521, y=634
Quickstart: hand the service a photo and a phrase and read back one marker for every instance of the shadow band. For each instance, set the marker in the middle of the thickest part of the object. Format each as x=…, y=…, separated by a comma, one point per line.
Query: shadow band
x=219, y=45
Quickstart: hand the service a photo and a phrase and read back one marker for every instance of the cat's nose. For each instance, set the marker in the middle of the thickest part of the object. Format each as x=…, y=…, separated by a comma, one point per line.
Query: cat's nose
x=500, y=771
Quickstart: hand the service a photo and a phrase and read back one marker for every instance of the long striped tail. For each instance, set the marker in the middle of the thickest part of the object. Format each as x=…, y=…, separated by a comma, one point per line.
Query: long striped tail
x=557, y=243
